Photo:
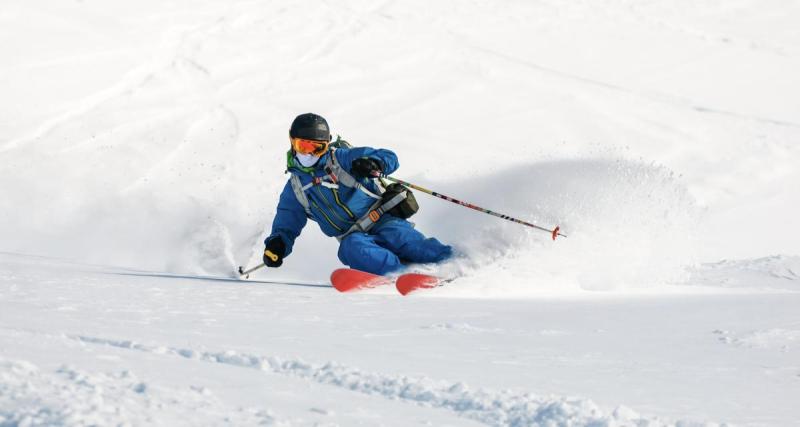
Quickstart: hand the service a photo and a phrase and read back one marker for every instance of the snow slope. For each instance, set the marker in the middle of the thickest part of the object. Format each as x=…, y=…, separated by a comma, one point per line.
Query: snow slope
x=142, y=152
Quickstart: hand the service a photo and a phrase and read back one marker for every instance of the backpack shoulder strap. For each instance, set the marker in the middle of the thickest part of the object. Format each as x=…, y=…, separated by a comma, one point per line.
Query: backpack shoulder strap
x=300, y=194
x=332, y=167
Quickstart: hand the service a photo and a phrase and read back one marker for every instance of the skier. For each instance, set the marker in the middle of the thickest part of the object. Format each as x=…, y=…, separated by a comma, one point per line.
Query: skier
x=337, y=188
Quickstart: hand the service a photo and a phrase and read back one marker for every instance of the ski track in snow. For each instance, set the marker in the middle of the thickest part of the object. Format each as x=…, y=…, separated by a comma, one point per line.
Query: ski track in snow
x=651, y=96
x=781, y=339
x=496, y=408
x=779, y=272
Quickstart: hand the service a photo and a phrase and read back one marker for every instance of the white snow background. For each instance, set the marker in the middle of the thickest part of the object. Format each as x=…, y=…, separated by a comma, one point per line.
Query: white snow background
x=142, y=151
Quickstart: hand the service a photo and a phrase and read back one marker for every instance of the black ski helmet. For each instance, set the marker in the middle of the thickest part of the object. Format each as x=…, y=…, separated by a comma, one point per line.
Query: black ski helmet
x=310, y=126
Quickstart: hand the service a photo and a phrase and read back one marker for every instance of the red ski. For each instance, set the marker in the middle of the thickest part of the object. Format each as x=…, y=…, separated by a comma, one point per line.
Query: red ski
x=349, y=280
x=411, y=282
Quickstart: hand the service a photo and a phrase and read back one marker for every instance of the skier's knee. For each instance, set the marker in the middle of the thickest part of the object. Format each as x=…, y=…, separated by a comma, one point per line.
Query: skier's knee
x=443, y=252
x=438, y=251
x=428, y=250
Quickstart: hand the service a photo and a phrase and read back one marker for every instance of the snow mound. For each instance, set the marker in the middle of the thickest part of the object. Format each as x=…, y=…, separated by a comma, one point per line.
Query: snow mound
x=30, y=396
x=773, y=272
x=629, y=224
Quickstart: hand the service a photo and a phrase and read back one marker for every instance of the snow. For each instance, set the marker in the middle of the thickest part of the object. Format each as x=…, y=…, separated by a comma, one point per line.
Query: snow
x=142, y=153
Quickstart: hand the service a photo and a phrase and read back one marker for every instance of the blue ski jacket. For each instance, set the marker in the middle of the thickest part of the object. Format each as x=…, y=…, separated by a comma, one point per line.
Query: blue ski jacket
x=335, y=210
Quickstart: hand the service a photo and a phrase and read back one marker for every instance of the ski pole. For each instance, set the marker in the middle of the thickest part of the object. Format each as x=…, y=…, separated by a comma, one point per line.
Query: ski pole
x=268, y=253
x=554, y=232
x=246, y=273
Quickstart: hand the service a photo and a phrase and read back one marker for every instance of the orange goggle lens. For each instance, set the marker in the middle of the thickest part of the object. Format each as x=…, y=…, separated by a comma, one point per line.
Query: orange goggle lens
x=309, y=146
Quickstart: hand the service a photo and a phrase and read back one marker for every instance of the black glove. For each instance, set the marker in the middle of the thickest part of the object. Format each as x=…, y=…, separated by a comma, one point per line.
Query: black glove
x=274, y=251
x=364, y=167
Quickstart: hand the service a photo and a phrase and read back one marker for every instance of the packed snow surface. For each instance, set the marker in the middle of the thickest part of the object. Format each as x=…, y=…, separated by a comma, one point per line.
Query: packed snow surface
x=142, y=151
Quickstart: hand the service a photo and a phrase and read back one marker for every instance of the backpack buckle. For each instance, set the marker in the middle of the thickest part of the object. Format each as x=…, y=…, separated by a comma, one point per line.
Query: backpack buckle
x=330, y=173
x=374, y=216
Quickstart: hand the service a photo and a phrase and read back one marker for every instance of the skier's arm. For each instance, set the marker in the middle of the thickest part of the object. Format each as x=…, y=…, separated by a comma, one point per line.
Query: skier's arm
x=289, y=220
x=386, y=158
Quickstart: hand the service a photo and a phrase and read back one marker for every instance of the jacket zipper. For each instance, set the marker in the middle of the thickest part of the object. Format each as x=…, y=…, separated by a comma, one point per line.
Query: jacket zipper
x=326, y=216
x=325, y=200
x=342, y=205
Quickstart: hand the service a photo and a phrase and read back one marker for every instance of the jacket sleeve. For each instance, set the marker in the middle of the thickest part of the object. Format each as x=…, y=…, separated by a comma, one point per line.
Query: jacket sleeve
x=289, y=220
x=388, y=159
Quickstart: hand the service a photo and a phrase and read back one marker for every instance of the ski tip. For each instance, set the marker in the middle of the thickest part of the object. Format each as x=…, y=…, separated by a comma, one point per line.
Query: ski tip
x=336, y=278
x=411, y=282
x=348, y=280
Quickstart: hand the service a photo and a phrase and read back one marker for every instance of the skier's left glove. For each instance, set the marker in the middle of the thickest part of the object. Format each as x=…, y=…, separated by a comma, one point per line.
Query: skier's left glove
x=274, y=251
x=365, y=167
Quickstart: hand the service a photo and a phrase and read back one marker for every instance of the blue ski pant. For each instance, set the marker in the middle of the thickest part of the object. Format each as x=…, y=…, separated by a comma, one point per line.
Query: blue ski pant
x=388, y=245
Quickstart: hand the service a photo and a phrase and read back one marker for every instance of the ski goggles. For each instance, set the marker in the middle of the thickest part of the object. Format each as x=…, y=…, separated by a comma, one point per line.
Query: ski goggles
x=309, y=146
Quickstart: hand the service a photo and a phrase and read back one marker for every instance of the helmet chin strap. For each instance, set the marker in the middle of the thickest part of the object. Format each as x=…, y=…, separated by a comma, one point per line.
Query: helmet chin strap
x=307, y=160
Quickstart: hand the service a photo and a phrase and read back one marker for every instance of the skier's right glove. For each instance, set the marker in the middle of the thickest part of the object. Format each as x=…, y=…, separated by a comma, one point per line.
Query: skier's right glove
x=274, y=251
x=365, y=167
